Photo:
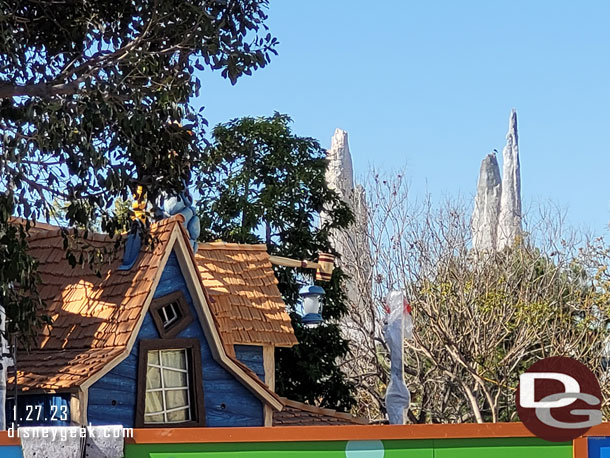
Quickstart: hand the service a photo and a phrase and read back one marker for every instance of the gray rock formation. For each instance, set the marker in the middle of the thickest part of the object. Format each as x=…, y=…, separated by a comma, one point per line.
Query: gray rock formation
x=496, y=219
x=340, y=173
x=487, y=205
x=509, y=222
x=352, y=245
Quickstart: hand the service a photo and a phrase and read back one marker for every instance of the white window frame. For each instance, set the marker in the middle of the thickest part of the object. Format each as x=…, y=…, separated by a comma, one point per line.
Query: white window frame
x=163, y=312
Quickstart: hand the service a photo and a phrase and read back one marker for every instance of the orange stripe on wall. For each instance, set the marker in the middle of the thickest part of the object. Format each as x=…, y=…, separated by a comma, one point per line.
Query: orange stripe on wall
x=328, y=433
x=580, y=448
x=5, y=440
x=601, y=430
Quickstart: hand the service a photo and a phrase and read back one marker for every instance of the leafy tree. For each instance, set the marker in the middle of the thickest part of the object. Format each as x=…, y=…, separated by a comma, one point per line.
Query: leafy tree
x=92, y=95
x=262, y=183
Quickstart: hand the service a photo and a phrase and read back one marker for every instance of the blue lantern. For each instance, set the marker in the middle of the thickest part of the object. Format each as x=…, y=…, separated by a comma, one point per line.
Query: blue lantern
x=312, y=307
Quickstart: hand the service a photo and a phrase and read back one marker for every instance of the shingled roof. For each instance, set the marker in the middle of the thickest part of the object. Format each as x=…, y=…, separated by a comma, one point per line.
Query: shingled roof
x=95, y=318
x=245, y=299
x=299, y=414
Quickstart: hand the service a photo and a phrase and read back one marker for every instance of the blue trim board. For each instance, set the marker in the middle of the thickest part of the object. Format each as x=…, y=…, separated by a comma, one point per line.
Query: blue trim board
x=599, y=447
x=252, y=356
x=10, y=451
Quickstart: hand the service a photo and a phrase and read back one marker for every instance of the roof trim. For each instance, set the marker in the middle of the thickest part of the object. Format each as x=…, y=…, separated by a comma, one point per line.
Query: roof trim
x=220, y=245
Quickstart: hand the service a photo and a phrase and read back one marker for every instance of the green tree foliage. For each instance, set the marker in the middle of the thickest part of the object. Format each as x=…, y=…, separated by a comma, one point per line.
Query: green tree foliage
x=262, y=183
x=18, y=274
x=482, y=323
x=94, y=101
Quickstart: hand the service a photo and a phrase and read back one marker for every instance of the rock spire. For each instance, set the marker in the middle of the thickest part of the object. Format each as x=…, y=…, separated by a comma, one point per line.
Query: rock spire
x=340, y=173
x=496, y=220
x=509, y=223
x=487, y=205
x=352, y=244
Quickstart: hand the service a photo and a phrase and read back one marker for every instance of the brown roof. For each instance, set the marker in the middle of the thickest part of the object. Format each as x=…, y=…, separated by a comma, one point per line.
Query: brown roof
x=245, y=300
x=299, y=414
x=93, y=317
x=35, y=227
x=60, y=370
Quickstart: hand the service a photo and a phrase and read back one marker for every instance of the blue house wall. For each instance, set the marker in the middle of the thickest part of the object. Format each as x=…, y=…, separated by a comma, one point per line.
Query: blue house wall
x=112, y=399
x=38, y=410
x=252, y=356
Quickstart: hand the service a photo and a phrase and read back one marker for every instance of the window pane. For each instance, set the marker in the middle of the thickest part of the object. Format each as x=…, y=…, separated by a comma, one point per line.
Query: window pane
x=153, y=378
x=174, y=358
x=154, y=418
x=153, y=357
x=154, y=402
x=174, y=379
x=178, y=416
x=176, y=398
x=167, y=398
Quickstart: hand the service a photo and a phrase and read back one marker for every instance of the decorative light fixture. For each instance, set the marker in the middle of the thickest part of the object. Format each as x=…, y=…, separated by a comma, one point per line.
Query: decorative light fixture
x=312, y=307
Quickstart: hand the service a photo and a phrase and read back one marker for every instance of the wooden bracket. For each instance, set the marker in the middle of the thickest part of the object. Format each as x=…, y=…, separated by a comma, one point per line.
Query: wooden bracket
x=324, y=267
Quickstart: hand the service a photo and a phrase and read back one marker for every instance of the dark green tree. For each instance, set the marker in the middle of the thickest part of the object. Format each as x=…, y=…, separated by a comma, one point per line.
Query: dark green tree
x=95, y=101
x=262, y=183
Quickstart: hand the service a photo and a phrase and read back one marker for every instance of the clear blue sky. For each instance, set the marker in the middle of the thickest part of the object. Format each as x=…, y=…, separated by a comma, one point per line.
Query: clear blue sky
x=430, y=85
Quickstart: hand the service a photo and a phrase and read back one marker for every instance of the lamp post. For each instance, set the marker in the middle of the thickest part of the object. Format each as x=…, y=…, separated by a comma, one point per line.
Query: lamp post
x=312, y=308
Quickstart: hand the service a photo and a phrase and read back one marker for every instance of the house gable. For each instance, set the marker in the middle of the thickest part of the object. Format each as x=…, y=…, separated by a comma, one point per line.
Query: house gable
x=227, y=401
x=99, y=322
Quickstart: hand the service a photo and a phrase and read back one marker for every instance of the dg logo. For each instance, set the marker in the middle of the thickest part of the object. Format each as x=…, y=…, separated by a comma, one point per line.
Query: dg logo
x=559, y=399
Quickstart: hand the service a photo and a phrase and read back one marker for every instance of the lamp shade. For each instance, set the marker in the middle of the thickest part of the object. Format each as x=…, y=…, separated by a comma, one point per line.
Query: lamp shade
x=311, y=290
x=312, y=307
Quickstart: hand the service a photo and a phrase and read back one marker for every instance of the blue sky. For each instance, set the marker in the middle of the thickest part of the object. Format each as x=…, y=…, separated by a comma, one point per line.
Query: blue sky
x=429, y=85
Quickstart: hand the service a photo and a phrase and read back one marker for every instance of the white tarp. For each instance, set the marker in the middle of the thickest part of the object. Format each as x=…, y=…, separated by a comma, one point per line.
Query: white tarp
x=398, y=328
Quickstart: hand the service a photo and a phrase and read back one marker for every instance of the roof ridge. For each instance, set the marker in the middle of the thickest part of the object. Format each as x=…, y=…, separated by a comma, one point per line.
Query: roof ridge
x=40, y=225
x=221, y=245
x=99, y=236
x=45, y=234
x=78, y=349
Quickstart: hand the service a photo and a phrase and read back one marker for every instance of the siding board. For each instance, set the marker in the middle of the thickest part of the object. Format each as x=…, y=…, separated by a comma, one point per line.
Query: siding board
x=252, y=356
